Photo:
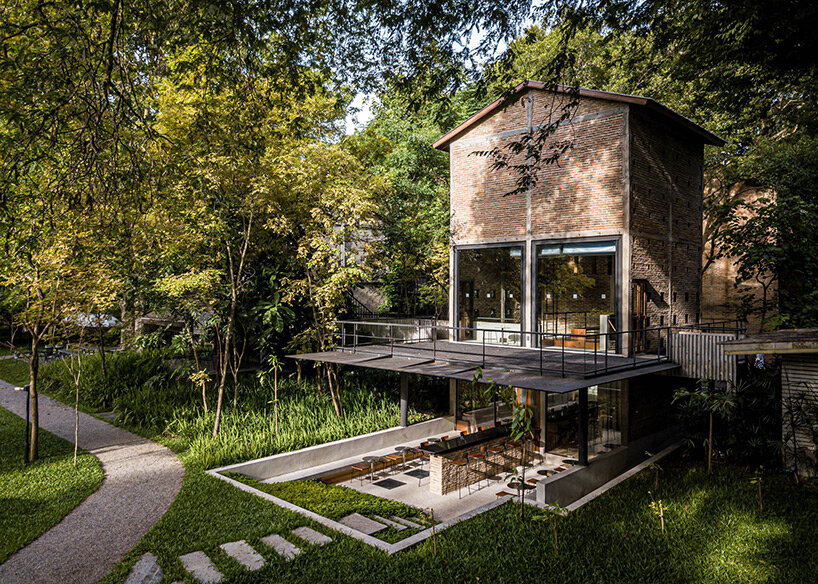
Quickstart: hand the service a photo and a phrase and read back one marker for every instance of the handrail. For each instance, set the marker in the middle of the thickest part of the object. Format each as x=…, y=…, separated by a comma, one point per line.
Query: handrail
x=621, y=349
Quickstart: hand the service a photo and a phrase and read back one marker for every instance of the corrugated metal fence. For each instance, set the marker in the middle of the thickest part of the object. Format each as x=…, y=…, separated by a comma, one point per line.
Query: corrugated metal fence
x=701, y=355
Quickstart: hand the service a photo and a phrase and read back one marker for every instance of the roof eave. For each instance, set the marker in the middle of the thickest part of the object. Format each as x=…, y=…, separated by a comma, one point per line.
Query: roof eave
x=707, y=137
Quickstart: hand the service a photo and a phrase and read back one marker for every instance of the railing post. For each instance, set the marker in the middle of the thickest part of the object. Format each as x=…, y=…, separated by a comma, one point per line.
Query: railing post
x=539, y=341
x=563, y=356
x=434, y=342
x=355, y=338
x=484, y=347
x=391, y=342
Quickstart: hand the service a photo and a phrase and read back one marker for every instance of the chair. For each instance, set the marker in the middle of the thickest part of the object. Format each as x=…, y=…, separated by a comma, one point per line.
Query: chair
x=362, y=468
x=498, y=452
x=392, y=459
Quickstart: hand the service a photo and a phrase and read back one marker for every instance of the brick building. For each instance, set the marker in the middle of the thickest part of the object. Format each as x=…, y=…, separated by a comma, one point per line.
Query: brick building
x=625, y=202
x=579, y=294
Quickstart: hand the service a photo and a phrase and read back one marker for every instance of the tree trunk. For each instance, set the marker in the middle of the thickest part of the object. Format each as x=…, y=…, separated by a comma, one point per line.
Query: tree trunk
x=33, y=371
x=223, y=371
x=710, y=444
x=77, y=408
x=102, y=352
x=275, y=398
x=198, y=367
x=334, y=393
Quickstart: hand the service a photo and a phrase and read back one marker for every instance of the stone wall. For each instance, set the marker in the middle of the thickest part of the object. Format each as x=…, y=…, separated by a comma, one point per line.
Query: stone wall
x=444, y=477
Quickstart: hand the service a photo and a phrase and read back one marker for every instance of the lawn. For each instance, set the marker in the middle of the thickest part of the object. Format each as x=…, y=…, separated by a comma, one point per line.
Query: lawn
x=14, y=371
x=36, y=497
x=336, y=502
x=714, y=533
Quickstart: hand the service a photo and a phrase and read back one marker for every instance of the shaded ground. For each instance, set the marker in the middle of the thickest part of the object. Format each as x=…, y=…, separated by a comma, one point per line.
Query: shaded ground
x=142, y=478
x=36, y=497
x=714, y=533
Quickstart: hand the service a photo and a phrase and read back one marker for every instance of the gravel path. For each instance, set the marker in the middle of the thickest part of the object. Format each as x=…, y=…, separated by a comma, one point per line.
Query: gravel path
x=142, y=478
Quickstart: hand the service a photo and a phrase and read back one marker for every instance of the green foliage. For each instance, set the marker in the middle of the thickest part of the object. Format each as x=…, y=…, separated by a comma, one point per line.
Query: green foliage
x=746, y=422
x=336, y=502
x=36, y=497
x=14, y=371
x=126, y=372
x=717, y=537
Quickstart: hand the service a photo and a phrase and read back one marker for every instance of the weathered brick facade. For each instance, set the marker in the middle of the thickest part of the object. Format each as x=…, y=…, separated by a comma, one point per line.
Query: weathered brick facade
x=632, y=175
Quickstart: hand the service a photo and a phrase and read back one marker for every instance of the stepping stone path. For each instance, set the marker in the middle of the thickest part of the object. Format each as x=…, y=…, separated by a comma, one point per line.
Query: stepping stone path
x=282, y=547
x=311, y=536
x=244, y=554
x=407, y=523
x=390, y=523
x=205, y=571
x=145, y=571
x=200, y=566
x=363, y=524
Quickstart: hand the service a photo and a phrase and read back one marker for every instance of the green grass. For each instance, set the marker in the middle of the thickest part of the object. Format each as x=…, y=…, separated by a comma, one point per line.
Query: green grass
x=336, y=502
x=161, y=404
x=36, y=497
x=14, y=371
x=714, y=534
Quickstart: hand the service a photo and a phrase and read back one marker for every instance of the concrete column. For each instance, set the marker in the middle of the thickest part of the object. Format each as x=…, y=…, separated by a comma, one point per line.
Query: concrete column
x=404, y=399
x=453, y=397
x=582, y=431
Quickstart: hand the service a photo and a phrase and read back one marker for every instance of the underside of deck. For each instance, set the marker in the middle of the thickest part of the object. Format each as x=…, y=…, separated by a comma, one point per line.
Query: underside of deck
x=547, y=369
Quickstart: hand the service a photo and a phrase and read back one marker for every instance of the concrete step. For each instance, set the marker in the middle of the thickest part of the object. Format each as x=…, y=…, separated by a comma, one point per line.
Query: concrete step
x=311, y=536
x=361, y=523
x=281, y=546
x=201, y=568
x=244, y=554
x=407, y=523
x=390, y=523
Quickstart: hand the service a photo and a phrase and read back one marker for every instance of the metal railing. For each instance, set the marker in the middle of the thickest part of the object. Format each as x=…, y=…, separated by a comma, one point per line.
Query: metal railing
x=564, y=354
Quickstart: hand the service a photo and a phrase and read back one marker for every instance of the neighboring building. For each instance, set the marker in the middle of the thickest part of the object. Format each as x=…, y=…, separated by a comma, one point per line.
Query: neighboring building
x=798, y=350
x=582, y=292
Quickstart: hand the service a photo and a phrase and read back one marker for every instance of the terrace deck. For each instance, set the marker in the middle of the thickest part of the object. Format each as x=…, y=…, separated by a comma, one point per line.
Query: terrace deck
x=550, y=369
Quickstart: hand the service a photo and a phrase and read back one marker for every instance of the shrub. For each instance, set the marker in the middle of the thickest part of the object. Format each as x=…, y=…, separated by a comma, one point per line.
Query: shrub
x=125, y=370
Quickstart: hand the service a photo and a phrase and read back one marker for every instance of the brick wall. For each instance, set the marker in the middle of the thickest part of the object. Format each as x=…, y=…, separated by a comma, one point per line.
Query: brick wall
x=665, y=217
x=586, y=192
x=583, y=191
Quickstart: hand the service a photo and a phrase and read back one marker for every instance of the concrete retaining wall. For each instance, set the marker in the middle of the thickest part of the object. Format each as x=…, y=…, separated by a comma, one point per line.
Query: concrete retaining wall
x=287, y=462
x=566, y=487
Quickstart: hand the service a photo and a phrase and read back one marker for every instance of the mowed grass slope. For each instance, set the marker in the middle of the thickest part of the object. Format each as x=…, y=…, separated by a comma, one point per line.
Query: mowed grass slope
x=714, y=533
x=36, y=497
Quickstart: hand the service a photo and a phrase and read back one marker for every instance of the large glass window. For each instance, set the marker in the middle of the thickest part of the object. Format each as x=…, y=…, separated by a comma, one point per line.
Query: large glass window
x=604, y=418
x=576, y=289
x=477, y=406
x=489, y=284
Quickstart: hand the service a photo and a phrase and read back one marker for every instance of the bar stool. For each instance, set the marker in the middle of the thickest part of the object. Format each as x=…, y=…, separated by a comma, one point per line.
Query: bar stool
x=362, y=468
x=474, y=460
x=498, y=452
x=462, y=468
